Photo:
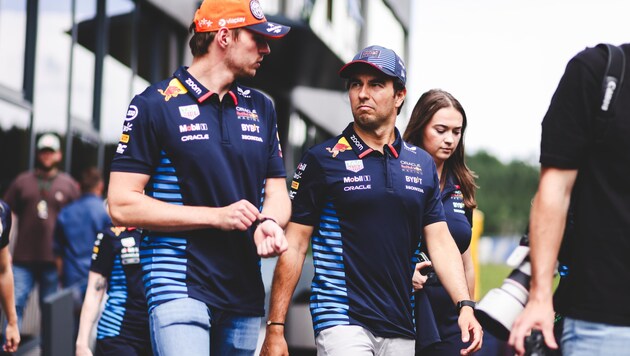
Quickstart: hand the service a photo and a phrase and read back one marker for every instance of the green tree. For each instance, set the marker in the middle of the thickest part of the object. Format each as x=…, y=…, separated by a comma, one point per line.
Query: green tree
x=505, y=192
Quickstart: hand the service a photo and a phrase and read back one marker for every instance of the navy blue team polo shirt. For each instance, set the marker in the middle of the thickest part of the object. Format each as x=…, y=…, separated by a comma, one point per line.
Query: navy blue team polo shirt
x=201, y=151
x=5, y=223
x=368, y=210
x=458, y=216
x=116, y=256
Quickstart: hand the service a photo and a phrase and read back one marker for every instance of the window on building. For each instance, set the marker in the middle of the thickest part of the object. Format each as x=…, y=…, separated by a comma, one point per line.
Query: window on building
x=12, y=42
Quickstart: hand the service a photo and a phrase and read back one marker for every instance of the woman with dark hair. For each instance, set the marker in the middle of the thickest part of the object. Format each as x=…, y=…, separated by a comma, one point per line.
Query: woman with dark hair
x=437, y=125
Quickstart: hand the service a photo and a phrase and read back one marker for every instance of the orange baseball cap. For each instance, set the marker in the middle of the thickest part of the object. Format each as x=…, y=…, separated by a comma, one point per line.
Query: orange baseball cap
x=215, y=14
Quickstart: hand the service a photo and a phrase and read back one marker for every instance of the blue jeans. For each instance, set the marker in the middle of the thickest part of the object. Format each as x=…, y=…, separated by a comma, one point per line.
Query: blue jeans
x=25, y=276
x=583, y=338
x=189, y=327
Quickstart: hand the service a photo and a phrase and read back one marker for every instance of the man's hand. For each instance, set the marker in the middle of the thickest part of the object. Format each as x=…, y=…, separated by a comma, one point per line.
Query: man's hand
x=275, y=343
x=537, y=315
x=238, y=216
x=470, y=327
x=83, y=350
x=419, y=280
x=269, y=239
x=13, y=338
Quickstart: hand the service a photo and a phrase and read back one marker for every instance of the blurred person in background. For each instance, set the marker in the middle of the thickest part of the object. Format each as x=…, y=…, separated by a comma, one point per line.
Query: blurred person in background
x=437, y=125
x=123, y=327
x=7, y=299
x=75, y=231
x=199, y=168
x=36, y=198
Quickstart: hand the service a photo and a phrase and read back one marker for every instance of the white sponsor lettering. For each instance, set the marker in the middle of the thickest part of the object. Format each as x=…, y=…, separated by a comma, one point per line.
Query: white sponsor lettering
x=458, y=205
x=301, y=166
x=189, y=112
x=121, y=148
x=417, y=189
x=250, y=128
x=292, y=194
x=459, y=211
x=128, y=241
x=193, y=127
x=128, y=126
x=252, y=138
x=611, y=85
x=195, y=137
x=273, y=28
x=416, y=180
x=193, y=86
x=357, y=187
x=132, y=113
x=297, y=175
x=356, y=142
x=235, y=20
x=357, y=179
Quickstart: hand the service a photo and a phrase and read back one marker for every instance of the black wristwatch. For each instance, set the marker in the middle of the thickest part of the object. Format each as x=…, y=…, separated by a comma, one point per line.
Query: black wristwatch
x=465, y=303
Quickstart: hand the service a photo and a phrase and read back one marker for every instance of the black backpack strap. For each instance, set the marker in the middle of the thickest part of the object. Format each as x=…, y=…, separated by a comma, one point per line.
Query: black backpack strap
x=611, y=83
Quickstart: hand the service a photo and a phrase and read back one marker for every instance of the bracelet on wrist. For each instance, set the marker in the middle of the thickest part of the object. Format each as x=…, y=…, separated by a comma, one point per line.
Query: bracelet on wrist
x=269, y=323
x=260, y=221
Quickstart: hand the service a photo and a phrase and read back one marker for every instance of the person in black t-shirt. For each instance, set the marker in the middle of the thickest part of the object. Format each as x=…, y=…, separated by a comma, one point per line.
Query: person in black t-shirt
x=123, y=327
x=591, y=174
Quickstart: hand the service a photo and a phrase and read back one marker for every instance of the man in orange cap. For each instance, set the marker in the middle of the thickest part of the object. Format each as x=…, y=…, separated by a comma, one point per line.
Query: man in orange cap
x=199, y=168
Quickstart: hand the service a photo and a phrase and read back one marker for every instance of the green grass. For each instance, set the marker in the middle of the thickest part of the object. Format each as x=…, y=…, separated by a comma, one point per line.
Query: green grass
x=491, y=276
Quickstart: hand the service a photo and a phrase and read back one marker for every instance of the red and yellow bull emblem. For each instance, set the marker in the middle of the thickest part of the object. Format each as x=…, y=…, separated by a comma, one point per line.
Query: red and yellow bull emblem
x=341, y=146
x=117, y=230
x=173, y=89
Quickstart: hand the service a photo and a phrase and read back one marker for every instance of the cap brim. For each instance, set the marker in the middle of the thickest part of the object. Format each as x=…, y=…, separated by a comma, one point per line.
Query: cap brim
x=344, y=72
x=269, y=29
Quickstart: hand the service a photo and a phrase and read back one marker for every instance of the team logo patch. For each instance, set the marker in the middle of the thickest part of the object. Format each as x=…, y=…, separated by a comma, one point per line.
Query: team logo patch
x=341, y=146
x=117, y=230
x=189, y=112
x=132, y=113
x=371, y=53
x=409, y=147
x=174, y=88
x=244, y=93
x=354, y=165
x=256, y=9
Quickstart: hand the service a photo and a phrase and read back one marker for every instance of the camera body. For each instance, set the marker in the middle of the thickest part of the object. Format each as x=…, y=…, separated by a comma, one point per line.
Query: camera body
x=500, y=307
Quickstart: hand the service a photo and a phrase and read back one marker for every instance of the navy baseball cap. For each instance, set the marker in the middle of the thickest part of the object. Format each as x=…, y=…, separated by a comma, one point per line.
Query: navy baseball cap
x=381, y=58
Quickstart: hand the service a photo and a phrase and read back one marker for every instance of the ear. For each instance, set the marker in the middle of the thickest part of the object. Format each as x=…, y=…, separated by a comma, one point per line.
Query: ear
x=400, y=97
x=223, y=37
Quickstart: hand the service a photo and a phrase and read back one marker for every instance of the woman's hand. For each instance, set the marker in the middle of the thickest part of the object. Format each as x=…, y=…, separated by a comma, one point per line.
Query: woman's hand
x=419, y=280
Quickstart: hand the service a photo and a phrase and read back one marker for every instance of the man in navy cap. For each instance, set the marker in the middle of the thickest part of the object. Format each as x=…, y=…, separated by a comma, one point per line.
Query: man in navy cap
x=363, y=199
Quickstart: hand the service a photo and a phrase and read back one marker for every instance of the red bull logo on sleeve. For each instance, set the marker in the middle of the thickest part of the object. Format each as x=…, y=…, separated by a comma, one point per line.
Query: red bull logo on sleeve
x=173, y=89
x=341, y=146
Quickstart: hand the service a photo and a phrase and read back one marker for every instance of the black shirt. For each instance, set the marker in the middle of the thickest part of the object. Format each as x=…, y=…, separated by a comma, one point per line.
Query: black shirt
x=597, y=287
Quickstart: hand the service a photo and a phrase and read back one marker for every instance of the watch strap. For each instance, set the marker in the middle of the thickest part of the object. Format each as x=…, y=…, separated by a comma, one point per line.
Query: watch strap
x=465, y=303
